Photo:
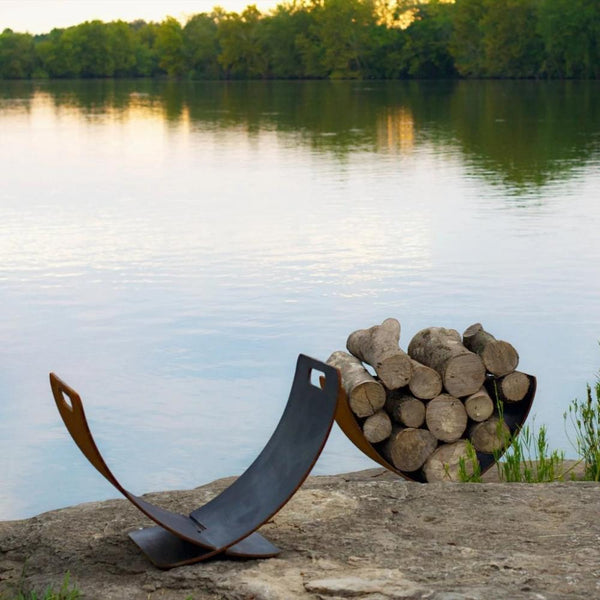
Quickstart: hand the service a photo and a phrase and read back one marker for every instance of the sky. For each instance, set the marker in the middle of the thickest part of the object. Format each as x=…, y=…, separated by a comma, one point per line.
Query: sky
x=40, y=16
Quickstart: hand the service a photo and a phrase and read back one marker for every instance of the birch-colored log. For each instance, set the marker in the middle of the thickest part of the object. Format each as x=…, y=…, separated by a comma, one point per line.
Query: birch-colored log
x=378, y=347
x=461, y=370
x=479, y=406
x=446, y=418
x=444, y=463
x=498, y=356
x=365, y=394
x=405, y=409
x=425, y=382
x=377, y=427
x=490, y=436
x=407, y=449
x=514, y=386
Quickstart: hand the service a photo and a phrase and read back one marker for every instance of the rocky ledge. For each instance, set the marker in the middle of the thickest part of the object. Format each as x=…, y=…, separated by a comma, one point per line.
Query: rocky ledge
x=366, y=536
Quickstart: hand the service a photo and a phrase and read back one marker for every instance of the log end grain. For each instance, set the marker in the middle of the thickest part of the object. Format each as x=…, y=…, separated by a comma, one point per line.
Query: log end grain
x=464, y=374
x=395, y=370
x=499, y=357
x=408, y=449
x=514, y=386
x=479, y=406
x=444, y=463
x=366, y=398
x=425, y=382
x=446, y=418
x=377, y=427
x=490, y=436
x=405, y=409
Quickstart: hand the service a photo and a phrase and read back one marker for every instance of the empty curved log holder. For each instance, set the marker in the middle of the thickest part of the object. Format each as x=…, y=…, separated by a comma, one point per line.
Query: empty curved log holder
x=514, y=415
x=227, y=524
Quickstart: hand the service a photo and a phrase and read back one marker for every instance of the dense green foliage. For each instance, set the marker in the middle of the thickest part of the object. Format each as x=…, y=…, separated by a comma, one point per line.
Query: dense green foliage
x=335, y=39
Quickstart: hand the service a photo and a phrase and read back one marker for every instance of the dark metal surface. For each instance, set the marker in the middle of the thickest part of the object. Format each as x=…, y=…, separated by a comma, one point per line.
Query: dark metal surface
x=226, y=523
x=514, y=413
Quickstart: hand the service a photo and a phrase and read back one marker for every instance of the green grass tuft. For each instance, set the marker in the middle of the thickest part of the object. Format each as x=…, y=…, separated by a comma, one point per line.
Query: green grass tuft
x=584, y=417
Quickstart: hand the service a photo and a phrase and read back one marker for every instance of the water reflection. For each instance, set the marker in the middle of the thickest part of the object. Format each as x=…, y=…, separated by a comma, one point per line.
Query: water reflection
x=170, y=248
x=521, y=133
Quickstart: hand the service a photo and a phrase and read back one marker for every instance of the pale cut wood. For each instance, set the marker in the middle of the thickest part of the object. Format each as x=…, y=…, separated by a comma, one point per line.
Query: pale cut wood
x=461, y=370
x=490, y=436
x=479, y=406
x=377, y=427
x=498, y=356
x=425, y=382
x=446, y=418
x=444, y=463
x=514, y=386
x=378, y=347
x=405, y=409
x=365, y=394
x=407, y=449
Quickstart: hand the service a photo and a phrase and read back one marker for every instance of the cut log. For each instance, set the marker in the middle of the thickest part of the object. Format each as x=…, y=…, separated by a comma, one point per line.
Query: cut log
x=513, y=387
x=461, y=370
x=490, y=436
x=444, y=463
x=425, y=383
x=405, y=409
x=479, y=406
x=499, y=357
x=407, y=449
x=365, y=395
x=377, y=427
x=378, y=347
x=446, y=418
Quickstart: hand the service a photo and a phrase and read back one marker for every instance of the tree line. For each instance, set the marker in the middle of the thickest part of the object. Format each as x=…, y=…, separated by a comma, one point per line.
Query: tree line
x=326, y=39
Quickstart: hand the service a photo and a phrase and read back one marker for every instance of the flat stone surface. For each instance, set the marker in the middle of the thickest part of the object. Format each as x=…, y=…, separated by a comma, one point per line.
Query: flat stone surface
x=366, y=536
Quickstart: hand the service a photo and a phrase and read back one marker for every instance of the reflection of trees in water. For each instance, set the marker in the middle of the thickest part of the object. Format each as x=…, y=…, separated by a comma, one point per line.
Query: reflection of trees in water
x=526, y=132
x=522, y=133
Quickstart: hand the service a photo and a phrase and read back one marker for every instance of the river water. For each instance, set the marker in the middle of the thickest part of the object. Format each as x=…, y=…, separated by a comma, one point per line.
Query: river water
x=169, y=248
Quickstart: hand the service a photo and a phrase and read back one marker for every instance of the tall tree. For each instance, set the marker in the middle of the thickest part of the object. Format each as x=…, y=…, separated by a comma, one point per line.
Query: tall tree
x=17, y=55
x=242, y=49
x=146, y=54
x=278, y=35
x=201, y=46
x=511, y=44
x=570, y=30
x=426, y=50
x=338, y=41
x=170, y=48
x=466, y=40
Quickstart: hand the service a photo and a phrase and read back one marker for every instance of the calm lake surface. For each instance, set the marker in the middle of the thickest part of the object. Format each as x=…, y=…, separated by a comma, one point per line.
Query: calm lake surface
x=168, y=249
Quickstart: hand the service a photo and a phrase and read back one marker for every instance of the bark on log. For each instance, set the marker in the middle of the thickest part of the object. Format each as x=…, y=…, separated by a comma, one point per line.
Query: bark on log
x=378, y=347
x=425, y=382
x=365, y=395
x=462, y=371
x=499, y=357
x=405, y=409
x=490, y=436
x=407, y=449
x=446, y=418
x=444, y=463
x=479, y=406
x=513, y=387
x=377, y=427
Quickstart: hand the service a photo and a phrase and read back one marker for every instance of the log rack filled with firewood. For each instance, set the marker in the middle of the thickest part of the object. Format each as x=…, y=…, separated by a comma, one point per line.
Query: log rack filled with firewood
x=423, y=412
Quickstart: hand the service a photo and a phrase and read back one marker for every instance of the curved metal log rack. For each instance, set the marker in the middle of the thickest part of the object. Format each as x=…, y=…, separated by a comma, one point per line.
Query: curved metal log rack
x=514, y=414
x=227, y=524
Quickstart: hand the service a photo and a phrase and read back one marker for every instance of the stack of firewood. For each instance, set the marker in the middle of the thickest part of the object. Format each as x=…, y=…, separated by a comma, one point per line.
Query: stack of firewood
x=423, y=405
